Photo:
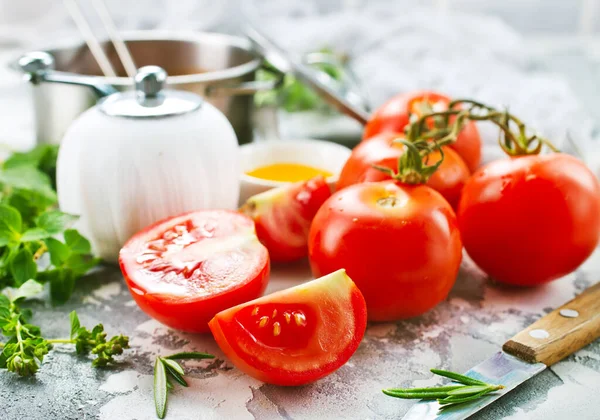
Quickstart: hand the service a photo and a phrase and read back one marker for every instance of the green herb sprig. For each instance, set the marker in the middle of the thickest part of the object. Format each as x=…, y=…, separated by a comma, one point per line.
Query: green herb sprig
x=31, y=226
x=26, y=347
x=470, y=389
x=37, y=246
x=165, y=369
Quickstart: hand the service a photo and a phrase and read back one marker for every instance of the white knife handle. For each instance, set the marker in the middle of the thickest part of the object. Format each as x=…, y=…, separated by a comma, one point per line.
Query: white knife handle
x=561, y=332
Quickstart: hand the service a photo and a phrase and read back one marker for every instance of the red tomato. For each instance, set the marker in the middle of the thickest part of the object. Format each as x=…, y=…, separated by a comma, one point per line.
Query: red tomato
x=185, y=269
x=531, y=219
x=448, y=180
x=399, y=243
x=395, y=114
x=294, y=336
x=283, y=216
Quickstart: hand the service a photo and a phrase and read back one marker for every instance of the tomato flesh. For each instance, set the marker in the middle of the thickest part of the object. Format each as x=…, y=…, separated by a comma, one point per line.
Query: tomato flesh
x=395, y=115
x=185, y=269
x=294, y=336
x=532, y=219
x=283, y=216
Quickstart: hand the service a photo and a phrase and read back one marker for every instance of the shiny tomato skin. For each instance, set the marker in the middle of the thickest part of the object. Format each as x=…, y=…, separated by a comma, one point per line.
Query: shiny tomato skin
x=400, y=244
x=228, y=266
x=394, y=116
x=294, y=336
x=283, y=216
x=529, y=220
x=381, y=150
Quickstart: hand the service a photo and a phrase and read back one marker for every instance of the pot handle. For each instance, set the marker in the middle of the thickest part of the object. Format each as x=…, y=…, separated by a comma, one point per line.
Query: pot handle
x=244, y=88
x=39, y=68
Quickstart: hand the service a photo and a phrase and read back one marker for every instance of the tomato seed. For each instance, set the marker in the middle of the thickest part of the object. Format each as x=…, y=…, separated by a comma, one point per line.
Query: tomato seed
x=300, y=319
x=264, y=320
x=287, y=317
x=276, y=329
x=274, y=313
x=255, y=311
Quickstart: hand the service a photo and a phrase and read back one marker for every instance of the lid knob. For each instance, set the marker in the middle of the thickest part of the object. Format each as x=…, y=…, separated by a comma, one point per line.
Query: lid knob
x=150, y=80
x=36, y=62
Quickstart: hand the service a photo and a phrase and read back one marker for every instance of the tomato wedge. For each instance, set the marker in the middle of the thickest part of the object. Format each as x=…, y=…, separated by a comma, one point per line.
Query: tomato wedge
x=185, y=269
x=283, y=216
x=297, y=335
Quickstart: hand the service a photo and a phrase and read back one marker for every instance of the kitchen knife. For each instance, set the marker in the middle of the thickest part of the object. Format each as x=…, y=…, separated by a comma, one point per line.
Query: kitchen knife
x=549, y=340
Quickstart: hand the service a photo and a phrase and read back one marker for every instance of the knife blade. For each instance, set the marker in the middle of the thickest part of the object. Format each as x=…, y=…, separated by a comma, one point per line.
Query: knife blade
x=545, y=342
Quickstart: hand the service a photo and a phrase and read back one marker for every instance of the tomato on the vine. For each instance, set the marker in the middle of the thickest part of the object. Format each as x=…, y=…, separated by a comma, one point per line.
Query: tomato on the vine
x=399, y=243
x=395, y=115
x=185, y=269
x=530, y=219
x=382, y=151
x=294, y=336
x=283, y=215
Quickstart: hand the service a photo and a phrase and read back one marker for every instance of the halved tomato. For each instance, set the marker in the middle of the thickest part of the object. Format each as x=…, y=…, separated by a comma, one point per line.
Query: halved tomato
x=185, y=269
x=297, y=335
x=283, y=216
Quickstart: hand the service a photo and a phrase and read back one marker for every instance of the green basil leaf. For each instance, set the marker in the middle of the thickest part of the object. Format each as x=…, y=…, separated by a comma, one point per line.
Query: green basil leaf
x=76, y=242
x=55, y=221
x=81, y=264
x=28, y=289
x=23, y=267
x=30, y=204
x=7, y=351
x=62, y=283
x=59, y=252
x=30, y=158
x=6, y=236
x=4, y=301
x=34, y=234
x=160, y=388
x=10, y=224
x=28, y=178
x=75, y=324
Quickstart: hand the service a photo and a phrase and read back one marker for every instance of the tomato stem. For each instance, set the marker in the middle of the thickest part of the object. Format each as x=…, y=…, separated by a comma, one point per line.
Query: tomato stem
x=433, y=130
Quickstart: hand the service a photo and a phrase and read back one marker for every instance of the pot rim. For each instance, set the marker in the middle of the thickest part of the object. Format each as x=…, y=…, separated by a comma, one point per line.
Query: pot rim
x=163, y=35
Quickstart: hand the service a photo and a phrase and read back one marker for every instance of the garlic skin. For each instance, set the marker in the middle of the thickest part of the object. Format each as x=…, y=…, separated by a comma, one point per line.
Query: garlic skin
x=123, y=174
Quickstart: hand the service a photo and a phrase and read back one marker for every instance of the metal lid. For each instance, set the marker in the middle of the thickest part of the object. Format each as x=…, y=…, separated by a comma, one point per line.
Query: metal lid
x=150, y=99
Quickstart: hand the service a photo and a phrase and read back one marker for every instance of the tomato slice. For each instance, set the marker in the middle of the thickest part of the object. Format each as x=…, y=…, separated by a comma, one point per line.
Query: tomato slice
x=185, y=269
x=283, y=216
x=295, y=336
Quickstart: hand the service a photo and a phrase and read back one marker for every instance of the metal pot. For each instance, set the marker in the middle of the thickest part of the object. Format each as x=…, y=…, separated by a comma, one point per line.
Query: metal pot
x=221, y=68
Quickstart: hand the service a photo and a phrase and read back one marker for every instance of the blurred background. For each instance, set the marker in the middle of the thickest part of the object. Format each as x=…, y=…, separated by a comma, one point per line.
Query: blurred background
x=541, y=58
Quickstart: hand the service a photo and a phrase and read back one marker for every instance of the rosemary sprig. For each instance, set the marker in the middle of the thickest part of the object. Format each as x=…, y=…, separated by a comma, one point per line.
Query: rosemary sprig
x=166, y=368
x=471, y=389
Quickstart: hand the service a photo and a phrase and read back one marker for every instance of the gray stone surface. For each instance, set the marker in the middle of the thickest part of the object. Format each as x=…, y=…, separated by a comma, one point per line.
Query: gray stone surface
x=470, y=326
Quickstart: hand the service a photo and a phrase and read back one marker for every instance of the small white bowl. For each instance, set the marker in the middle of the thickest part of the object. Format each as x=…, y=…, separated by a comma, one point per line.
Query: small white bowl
x=321, y=154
